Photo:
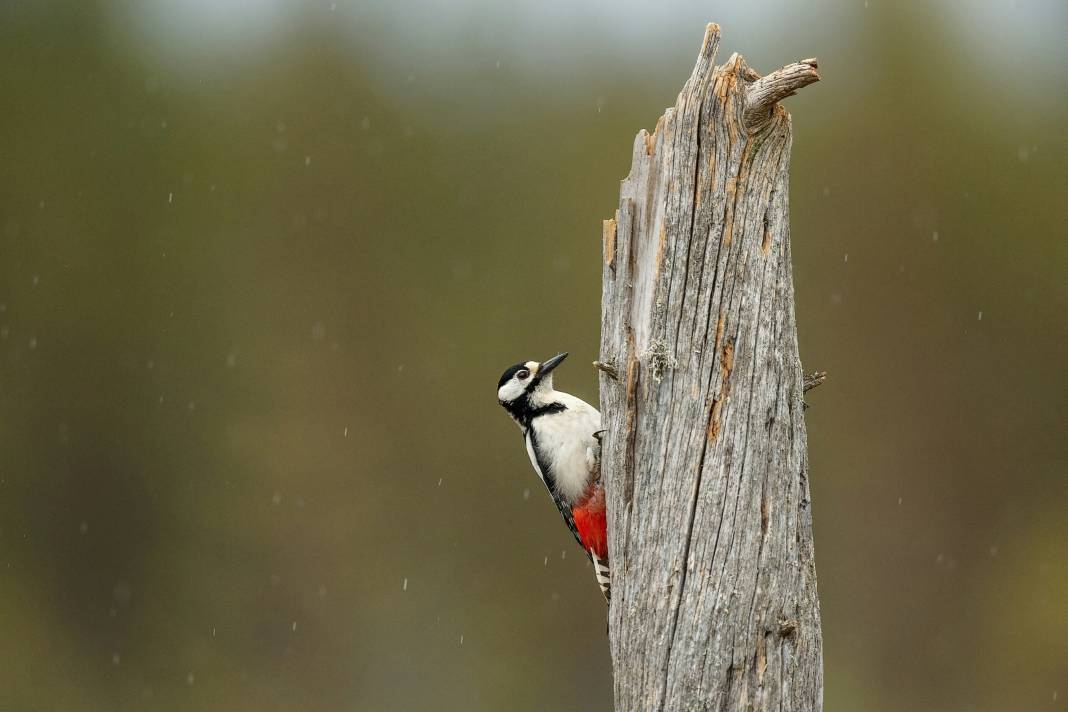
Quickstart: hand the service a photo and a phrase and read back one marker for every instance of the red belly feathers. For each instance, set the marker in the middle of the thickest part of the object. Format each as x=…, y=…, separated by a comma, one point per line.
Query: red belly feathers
x=590, y=521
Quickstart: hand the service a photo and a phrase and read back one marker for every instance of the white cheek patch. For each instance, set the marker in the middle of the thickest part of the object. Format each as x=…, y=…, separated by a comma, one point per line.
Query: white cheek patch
x=509, y=391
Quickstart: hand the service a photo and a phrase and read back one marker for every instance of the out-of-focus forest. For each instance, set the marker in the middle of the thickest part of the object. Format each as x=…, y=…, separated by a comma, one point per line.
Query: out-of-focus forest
x=262, y=262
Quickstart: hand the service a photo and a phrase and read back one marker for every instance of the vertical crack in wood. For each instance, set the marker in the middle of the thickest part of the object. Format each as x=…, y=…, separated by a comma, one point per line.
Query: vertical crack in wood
x=694, y=499
x=631, y=429
x=609, y=239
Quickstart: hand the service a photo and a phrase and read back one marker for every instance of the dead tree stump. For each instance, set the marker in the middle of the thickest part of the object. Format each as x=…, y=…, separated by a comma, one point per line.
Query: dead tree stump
x=714, y=588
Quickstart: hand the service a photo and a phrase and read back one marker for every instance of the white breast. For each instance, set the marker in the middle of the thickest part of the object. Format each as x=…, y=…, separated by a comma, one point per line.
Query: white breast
x=565, y=442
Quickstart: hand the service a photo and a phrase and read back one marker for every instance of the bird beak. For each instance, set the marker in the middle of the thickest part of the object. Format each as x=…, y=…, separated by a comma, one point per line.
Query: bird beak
x=546, y=367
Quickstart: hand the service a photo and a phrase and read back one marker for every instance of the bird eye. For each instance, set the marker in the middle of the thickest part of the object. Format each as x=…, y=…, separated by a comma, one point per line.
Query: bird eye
x=522, y=373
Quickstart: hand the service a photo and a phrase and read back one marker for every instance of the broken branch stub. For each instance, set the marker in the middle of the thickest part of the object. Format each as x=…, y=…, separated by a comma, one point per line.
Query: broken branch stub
x=764, y=93
x=704, y=456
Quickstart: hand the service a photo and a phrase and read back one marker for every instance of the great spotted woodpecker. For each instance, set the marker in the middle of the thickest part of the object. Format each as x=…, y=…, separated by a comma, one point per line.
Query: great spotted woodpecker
x=562, y=438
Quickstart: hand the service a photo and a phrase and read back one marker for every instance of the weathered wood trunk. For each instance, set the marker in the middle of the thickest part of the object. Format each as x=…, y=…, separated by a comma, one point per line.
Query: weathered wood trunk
x=714, y=589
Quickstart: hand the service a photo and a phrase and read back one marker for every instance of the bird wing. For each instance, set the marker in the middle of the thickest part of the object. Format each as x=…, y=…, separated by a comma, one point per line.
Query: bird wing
x=587, y=521
x=565, y=509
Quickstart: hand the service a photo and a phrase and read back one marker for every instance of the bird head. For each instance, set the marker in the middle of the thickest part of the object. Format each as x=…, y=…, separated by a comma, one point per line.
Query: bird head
x=527, y=385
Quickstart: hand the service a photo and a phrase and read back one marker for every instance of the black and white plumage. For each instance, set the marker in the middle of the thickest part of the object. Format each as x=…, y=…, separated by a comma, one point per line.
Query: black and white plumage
x=560, y=432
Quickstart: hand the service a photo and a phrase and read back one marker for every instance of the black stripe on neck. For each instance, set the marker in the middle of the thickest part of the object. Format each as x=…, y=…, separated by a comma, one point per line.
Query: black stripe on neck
x=547, y=409
x=525, y=412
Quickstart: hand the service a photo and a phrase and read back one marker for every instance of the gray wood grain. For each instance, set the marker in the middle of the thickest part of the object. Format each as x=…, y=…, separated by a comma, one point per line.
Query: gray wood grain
x=714, y=588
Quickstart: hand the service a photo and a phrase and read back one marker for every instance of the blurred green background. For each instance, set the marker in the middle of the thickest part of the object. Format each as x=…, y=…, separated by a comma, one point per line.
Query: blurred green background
x=262, y=262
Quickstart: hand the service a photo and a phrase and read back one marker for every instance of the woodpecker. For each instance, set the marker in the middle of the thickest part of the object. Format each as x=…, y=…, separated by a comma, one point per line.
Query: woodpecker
x=561, y=433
